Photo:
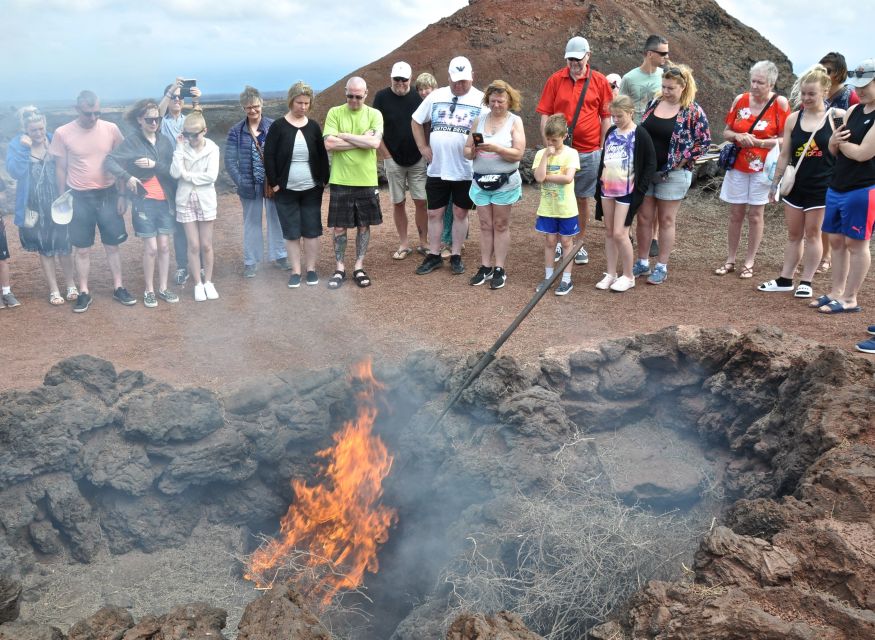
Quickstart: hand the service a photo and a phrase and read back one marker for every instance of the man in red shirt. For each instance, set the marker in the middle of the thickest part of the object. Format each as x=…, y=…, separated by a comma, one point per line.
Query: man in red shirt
x=561, y=94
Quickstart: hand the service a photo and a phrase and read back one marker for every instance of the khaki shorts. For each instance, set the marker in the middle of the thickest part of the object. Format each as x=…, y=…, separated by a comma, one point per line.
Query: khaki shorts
x=402, y=179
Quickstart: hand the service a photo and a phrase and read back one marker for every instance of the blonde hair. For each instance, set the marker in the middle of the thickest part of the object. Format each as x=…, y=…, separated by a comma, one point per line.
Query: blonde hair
x=622, y=103
x=814, y=75
x=28, y=115
x=194, y=119
x=425, y=80
x=300, y=88
x=514, y=101
x=683, y=74
x=556, y=126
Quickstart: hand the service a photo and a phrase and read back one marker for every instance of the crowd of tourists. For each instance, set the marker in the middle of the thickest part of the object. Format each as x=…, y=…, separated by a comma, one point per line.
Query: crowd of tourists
x=626, y=144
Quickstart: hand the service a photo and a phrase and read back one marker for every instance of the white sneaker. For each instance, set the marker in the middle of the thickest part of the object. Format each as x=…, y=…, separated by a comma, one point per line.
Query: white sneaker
x=200, y=294
x=622, y=283
x=606, y=282
x=210, y=290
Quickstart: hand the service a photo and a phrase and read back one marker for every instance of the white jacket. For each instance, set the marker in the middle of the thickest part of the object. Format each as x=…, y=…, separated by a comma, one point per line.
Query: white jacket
x=196, y=170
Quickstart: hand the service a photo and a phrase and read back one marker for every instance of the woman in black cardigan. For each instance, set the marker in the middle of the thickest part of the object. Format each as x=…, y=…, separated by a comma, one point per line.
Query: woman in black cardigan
x=626, y=168
x=296, y=162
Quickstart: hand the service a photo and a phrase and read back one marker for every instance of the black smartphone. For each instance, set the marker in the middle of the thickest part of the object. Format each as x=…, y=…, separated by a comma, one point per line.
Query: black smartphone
x=838, y=121
x=478, y=137
x=141, y=190
x=185, y=90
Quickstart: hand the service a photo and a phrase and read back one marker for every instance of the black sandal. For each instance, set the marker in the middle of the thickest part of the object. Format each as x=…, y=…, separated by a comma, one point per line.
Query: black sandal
x=336, y=281
x=361, y=278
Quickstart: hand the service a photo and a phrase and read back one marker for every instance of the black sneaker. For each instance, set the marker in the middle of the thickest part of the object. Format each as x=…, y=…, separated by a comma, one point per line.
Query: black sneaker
x=499, y=277
x=82, y=302
x=181, y=276
x=294, y=281
x=431, y=262
x=312, y=278
x=456, y=265
x=121, y=294
x=482, y=275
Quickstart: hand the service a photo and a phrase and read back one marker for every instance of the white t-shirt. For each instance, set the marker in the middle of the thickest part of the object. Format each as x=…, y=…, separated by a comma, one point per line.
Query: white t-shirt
x=450, y=117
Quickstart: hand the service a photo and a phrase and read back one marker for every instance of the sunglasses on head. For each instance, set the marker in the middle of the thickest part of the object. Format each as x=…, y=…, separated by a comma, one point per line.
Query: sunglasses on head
x=860, y=73
x=192, y=134
x=454, y=104
x=151, y=120
x=352, y=96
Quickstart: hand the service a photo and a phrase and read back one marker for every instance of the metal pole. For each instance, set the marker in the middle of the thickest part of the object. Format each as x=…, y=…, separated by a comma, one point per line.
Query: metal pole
x=489, y=356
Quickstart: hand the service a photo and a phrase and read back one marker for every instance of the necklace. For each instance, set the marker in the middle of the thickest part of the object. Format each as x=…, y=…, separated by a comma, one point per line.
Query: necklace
x=493, y=125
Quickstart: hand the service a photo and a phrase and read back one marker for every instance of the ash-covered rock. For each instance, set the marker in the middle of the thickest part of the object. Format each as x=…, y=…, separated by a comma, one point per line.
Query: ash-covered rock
x=280, y=613
x=504, y=625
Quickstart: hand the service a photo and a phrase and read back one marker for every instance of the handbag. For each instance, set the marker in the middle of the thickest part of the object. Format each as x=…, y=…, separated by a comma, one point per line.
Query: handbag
x=789, y=176
x=729, y=152
x=268, y=189
x=491, y=181
x=569, y=137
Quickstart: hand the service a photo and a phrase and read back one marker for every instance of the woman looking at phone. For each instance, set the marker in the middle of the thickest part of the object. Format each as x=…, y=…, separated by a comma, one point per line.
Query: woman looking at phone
x=804, y=205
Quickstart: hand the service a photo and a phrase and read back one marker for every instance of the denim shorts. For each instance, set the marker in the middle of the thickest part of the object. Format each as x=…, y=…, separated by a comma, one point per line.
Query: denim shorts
x=561, y=226
x=585, y=178
x=674, y=186
x=96, y=207
x=151, y=218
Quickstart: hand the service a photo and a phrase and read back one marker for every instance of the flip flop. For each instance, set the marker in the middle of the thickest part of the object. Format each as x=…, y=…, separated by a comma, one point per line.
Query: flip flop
x=836, y=307
x=401, y=254
x=361, y=278
x=821, y=301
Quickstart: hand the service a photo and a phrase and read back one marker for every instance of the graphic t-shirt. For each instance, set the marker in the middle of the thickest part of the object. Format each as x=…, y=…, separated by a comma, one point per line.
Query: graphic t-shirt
x=642, y=88
x=558, y=200
x=618, y=176
x=771, y=125
x=451, y=118
x=355, y=167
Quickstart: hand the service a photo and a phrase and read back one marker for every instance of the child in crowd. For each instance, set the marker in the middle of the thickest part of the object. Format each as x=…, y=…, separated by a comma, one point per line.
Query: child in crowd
x=196, y=166
x=555, y=167
x=7, y=299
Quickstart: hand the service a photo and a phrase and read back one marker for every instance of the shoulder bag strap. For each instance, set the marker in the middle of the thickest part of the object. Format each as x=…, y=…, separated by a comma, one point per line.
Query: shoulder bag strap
x=763, y=112
x=580, y=104
x=811, y=137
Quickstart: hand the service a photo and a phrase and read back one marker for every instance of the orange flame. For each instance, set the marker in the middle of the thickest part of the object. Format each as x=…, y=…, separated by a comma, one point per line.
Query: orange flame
x=332, y=530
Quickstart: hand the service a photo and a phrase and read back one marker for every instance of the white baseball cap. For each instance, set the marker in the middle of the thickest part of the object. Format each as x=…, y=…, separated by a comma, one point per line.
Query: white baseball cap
x=613, y=79
x=62, y=208
x=460, y=69
x=401, y=70
x=577, y=47
x=863, y=74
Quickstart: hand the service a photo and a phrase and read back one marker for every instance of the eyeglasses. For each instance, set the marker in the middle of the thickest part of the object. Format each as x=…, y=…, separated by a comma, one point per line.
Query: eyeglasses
x=90, y=114
x=151, y=120
x=454, y=104
x=177, y=98
x=660, y=53
x=352, y=96
x=399, y=79
x=252, y=107
x=861, y=73
x=192, y=134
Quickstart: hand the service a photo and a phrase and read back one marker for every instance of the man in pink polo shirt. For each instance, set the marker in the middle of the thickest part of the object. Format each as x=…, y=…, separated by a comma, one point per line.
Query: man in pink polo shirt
x=79, y=148
x=561, y=94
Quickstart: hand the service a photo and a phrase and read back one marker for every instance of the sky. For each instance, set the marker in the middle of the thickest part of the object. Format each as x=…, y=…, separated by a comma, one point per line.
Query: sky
x=51, y=49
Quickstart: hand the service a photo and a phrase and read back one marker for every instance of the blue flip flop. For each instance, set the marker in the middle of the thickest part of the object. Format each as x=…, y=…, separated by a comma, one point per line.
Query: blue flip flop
x=820, y=302
x=836, y=307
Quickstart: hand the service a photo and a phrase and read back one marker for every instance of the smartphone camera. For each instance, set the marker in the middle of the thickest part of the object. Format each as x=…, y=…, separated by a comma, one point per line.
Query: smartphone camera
x=477, y=137
x=185, y=90
x=838, y=121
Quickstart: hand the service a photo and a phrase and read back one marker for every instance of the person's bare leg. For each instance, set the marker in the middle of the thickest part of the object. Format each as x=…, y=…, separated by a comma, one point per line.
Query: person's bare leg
x=622, y=242
x=812, y=254
x=311, y=253
x=644, y=229
x=460, y=228
x=582, y=215
x=737, y=213
x=608, y=206
x=794, y=220
x=362, y=240
x=163, y=261
x=114, y=260
x=487, y=232
x=192, y=237
x=550, y=240
x=666, y=211
x=82, y=255
x=150, y=252
x=501, y=232
x=68, y=269
x=827, y=251
x=859, y=259
x=293, y=249
x=435, y=230
x=205, y=230
x=4, y=273
x=567, y=243
x=755, y=226
x=399, y=213
x=421, y=218
x=840, y=265
x=47, y=263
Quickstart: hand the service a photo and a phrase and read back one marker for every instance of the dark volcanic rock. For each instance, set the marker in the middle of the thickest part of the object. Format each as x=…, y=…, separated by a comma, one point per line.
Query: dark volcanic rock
x=10, y=592
x=92, y=374
x=280, y=613
x=150, y=523
x=501, y=626
x=74, y=517
x=109, y=623
x=45, y=538
x=110, y=461
x=19, y=630
x=176, y=416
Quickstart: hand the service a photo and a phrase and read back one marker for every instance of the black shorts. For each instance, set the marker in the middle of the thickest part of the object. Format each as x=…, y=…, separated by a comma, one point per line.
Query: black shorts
x=438, y=193
x=350, y=207
x=96, y=207
x=300, y=212
x=4, y=246
x=806, y=199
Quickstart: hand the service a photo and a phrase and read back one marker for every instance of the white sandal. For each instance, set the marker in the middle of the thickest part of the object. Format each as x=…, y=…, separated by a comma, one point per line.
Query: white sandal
x=72, y=294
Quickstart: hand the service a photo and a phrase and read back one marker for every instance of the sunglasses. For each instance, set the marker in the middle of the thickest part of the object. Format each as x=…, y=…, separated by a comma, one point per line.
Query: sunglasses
x=399, y=79
x=660, y=53
x=151, y=120
x=90, y=114
x=352, y=96
x=574, y=59
x=192, y=134
x=177, y=98
x=454, y=104
x=860, y=73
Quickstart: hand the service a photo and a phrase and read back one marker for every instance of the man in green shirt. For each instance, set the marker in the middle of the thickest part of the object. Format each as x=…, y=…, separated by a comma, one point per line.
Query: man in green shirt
x=642, y=83
x=353, y=132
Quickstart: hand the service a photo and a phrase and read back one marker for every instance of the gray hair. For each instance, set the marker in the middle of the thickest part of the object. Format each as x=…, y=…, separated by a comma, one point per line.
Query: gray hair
x=86, y=97
x=28, y=115
x=250, y=95
x=767, y=68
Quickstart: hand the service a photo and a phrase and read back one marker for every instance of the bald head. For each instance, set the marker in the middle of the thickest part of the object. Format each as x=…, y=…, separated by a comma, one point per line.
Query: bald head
x=356, y=92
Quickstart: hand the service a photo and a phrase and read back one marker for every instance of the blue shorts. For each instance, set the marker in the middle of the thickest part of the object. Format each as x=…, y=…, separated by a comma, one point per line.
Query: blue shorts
x=851, y=213
x=671, y=186
x=152, y=218
x=481, y=197
x=561, y=226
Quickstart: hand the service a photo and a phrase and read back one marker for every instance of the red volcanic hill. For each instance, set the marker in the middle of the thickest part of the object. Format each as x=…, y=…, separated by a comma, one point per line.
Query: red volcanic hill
x=524, y=42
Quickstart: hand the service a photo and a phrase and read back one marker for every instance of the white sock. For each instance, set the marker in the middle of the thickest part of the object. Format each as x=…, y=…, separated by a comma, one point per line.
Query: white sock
x=644, y=262
x=661, y=265
x=566, y=277
x=548, y=273
x=7, y=290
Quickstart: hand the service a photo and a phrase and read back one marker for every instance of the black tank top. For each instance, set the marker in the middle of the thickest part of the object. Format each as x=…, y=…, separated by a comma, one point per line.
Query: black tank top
x=816, y=172
x=850, y=174
x=660, y=130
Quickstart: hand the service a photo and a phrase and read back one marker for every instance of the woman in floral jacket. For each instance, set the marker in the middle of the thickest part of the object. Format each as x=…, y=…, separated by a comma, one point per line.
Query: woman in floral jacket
x=679, y=129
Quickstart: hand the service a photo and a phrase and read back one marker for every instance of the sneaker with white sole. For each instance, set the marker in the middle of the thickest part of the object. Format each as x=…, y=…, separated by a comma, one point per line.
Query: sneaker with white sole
x=149, y=299
x=121, y=295
x=294, y=281
x=659, y=275
x=605, y=282
x=200, y=294
x=582, y=257
x=210, y=291
x=867, y=346
x=249, y=270
x=564, y=288
x=181, y=276
x=312, y=278
x=640, y=269
x=168, y=296
x=10, y=300
x=623, y=283
x=483, y=274
x=557, y=255
x=499, y=278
